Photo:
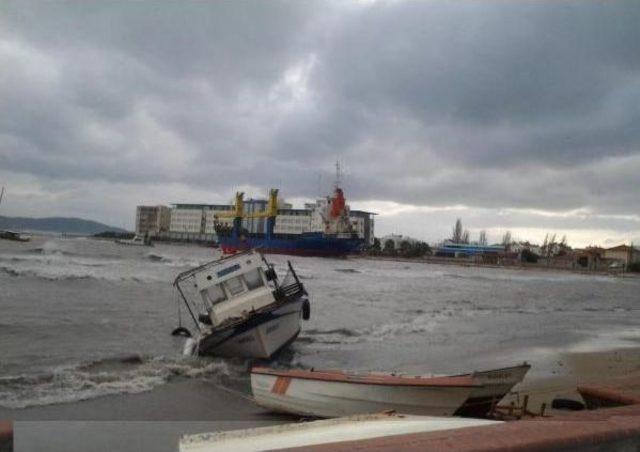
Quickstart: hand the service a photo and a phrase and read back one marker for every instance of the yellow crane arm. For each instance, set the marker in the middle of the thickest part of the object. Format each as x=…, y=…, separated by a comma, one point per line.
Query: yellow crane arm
x=238, y=211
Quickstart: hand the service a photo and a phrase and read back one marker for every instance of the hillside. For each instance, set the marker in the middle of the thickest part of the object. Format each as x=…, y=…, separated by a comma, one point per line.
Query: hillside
x=56, y=224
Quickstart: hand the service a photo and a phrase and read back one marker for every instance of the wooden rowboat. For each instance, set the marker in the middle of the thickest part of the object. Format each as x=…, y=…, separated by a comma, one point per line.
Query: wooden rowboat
x=331, y=393
x=335, y=393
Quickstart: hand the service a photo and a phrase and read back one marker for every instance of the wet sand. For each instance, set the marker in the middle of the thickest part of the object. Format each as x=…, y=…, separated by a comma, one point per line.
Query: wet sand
x=575, y=369
x=148, y=421
x=155, y=420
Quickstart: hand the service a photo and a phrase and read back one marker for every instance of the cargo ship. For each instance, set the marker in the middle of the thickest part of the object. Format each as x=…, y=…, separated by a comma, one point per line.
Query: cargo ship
x=337, y=239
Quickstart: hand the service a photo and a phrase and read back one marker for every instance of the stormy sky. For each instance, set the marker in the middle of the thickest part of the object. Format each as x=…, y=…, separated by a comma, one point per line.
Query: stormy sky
x=510, y=115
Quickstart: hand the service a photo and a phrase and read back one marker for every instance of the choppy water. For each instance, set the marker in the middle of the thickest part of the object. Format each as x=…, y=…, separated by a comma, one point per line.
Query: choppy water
x=81, y=318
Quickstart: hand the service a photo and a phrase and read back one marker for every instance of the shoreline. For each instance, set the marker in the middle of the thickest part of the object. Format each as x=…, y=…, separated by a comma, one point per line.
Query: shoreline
x=155, y=420
x=187, y=399
x=462, y=263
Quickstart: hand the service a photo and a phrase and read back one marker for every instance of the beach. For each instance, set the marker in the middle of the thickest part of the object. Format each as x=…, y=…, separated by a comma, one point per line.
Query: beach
x=88, y=359
x=155, y=420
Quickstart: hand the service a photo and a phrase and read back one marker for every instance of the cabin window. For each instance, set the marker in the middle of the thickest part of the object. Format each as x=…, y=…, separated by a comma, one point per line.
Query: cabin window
x=234, y=285
x=216, y=294
x=253, y=279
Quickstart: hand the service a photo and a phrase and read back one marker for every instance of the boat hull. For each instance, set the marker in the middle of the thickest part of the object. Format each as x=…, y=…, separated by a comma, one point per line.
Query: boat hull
x=328, y=399
x=262, y=336
x=305, y=245
x=493, y=386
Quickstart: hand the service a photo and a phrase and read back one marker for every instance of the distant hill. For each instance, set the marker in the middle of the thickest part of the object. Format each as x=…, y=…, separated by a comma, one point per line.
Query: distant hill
x=56, y=224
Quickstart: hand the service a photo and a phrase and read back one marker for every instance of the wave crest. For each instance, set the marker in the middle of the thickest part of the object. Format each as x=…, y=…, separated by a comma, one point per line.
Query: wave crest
x=110, y=376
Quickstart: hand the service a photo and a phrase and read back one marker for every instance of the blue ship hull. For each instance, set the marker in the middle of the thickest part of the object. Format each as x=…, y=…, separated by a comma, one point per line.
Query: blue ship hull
x=310, y=244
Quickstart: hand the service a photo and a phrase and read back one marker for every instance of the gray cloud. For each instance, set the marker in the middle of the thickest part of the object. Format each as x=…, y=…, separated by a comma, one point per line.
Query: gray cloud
x=530, y=105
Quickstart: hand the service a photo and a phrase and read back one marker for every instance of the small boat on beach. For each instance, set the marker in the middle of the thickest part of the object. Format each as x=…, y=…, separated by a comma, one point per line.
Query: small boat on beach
x=241, y=309
x=331, y=393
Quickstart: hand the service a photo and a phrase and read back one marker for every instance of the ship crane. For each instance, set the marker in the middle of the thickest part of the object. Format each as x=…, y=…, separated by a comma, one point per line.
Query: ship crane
x=238, y=211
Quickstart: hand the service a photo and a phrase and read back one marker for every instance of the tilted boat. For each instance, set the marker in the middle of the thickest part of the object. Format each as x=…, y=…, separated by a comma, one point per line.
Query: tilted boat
x=331, y=393
x=241, y=308
x=335, y=393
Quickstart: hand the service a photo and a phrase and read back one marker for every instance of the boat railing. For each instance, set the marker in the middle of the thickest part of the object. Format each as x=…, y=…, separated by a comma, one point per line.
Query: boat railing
x=288, y=289
x=284, y=292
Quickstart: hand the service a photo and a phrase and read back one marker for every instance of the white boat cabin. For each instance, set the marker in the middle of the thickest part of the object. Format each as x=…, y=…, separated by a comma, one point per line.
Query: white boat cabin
x=234, y=287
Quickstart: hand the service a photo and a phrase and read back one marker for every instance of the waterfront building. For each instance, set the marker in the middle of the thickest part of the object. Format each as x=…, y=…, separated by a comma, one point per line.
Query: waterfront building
x=362, y=222
x=152, y=220
x=624, y=254
x=196, y=221
x=187, y=218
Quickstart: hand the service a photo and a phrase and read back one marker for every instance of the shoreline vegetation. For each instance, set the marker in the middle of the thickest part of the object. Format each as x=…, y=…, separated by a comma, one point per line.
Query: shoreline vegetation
x=462, y=262
x=510, y=253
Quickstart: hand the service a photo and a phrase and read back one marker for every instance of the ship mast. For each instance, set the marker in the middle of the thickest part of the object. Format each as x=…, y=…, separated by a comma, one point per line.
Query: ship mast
x=337, y=174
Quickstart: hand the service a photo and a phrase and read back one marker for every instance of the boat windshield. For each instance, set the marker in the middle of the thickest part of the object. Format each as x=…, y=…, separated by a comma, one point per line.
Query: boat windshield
x=234, y=286
x=216, y=294
x=253, y=279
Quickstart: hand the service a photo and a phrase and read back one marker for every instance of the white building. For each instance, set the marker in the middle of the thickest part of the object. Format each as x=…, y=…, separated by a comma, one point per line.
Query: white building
x=152, y=220
x=187, y=218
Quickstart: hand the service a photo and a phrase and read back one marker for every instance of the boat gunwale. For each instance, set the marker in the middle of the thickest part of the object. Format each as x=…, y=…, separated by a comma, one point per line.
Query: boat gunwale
x=336, y=376
x=501, y=369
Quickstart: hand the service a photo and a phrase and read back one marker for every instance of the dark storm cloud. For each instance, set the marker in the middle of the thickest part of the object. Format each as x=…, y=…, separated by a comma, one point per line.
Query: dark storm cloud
x=541, y=82
x=494, y=105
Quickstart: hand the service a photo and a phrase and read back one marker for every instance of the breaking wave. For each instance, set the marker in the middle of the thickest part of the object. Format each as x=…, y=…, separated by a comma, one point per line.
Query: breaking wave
x=54, y=273
x=417, y=324
x=157, y=258
x=119, y=375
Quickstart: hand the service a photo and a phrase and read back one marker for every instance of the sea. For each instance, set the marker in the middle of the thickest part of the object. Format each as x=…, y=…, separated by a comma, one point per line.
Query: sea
x=82, y=318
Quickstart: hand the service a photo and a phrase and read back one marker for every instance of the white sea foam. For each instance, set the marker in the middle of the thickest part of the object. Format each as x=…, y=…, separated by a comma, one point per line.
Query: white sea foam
x=109, y=377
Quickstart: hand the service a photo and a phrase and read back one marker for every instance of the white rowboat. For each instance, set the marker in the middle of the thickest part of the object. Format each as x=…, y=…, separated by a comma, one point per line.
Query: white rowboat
x=333, y=393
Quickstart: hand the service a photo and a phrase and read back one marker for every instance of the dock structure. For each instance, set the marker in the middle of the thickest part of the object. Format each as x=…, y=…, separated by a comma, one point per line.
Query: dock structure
x=609, y=429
